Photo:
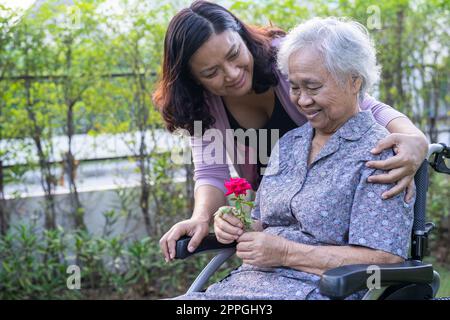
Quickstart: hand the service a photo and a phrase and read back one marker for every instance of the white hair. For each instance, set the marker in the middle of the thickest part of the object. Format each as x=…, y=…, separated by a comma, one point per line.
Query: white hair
x=345, y=46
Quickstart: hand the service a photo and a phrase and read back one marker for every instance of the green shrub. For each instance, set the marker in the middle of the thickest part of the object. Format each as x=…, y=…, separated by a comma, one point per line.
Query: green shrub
x=34, y=266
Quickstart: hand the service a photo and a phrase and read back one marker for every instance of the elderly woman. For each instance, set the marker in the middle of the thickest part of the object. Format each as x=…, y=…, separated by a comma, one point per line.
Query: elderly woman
x=314, y=208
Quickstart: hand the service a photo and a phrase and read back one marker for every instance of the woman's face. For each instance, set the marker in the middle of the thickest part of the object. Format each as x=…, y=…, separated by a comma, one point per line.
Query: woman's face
x=223, y=65
x=326, y=104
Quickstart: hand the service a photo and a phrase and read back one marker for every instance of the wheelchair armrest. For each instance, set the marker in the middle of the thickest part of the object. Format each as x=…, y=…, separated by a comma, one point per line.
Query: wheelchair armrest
x=341, y=282
x=209, y=243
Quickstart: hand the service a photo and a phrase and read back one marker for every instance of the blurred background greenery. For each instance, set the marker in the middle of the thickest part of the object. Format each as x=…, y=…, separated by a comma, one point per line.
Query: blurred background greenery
x=76, y=79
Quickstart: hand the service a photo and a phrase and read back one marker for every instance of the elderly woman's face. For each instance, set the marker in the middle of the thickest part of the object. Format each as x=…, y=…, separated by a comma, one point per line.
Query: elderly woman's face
x=325, y=103
x=223, y=65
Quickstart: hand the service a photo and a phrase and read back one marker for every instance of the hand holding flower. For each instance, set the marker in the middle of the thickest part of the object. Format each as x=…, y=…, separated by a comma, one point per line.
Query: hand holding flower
x=231, y=221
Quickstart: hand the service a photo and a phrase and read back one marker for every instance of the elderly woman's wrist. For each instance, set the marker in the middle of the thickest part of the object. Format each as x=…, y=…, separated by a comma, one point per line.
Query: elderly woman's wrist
x=292, y=254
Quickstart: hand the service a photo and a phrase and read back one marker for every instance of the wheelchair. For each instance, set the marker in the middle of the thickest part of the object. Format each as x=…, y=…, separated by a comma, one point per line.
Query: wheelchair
x=410, y=280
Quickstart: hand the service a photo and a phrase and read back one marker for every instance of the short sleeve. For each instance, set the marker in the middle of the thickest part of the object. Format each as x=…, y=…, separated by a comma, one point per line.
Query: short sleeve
x=213, y=174
x=382, y=113
x=380, y=224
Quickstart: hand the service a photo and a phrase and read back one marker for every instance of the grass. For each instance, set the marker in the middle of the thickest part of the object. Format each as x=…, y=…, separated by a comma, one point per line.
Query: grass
x=444, y=273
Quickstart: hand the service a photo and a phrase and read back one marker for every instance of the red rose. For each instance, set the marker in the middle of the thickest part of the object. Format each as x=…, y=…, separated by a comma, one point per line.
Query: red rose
x=237, y=186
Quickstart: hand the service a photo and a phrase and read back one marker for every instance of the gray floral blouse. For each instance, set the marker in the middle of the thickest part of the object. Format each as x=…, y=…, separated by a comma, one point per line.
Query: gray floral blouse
x=328, y=203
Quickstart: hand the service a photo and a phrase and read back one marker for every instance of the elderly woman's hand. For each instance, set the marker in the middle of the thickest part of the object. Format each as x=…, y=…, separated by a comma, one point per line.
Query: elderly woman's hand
x=411, y=150
x=227, y=227
x=262, y=249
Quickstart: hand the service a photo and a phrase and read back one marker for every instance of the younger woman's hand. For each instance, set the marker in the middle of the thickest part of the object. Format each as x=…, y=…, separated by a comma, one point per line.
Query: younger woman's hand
x=410, y=151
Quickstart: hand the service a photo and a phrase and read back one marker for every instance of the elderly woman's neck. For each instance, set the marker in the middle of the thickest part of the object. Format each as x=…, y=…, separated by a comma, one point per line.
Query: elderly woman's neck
x=328, y=131
x=322, y=135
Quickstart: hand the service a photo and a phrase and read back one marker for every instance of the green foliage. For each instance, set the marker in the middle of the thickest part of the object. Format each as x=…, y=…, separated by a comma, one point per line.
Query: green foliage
x=284, y=14
x=30, y=266
x=438, y=195
x=34, y=266
x=438, y=210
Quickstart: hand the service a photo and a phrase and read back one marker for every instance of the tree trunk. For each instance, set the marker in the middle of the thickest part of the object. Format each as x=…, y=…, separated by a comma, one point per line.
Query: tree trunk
x=143, y=152
x=47, y=178
x=435, y=79
x=4, y=217
x=399, y=59
x=71, y=163
x=145, y=187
